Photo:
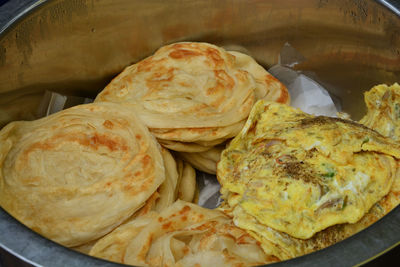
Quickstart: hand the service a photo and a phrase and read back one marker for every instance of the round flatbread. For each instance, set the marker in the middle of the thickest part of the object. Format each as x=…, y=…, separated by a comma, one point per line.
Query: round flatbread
x=193, y=92
x=184, y=234
x=77, y=174
x=267, y=86
x=167, y=190
x=179, y=183
x=204, y=161
x=187, y=185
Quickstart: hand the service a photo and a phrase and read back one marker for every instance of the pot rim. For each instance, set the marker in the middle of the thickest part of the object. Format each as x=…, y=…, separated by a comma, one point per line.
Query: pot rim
x=30, y=247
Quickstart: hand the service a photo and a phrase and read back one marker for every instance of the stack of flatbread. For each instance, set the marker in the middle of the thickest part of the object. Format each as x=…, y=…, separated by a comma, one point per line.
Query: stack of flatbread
x=184, y=234
x=77, y=174
x=99, y=177
x=194, y=97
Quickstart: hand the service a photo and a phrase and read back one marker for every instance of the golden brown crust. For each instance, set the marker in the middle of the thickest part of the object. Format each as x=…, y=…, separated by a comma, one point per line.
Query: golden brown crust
x=79, y=173
x=184, y=234
x=185, y=85
x=194, y=92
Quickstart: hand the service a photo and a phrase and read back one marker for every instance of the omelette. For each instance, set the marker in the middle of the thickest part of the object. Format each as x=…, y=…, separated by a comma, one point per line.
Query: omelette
x=383, y=103
x=299, y=174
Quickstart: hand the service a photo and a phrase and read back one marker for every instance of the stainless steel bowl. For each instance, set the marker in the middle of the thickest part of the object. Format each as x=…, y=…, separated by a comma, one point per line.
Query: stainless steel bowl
x=76, y=46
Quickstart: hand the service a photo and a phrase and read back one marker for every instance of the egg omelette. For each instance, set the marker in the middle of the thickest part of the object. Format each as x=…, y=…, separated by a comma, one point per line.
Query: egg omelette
x=299, y=174
x=383, y=103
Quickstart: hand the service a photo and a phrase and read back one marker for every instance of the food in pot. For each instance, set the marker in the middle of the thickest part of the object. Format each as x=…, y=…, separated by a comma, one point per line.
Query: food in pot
x=193, y=96
x=79, y=173
x=184, y=234
x=299, y=174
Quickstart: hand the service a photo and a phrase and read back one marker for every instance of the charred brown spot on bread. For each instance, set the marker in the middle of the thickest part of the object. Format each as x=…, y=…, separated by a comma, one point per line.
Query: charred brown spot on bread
x=215, y=57
x=241, y=75
x=104, y=93
x=93, y=141
x=145, y=248
x=201, y=129
x=160, y=79
x=284, y=97
x=271, y=81
x=184, y=210
x=146, y=65
x=108, y=124
x=146, y=161
x=186, y=250
x=45, y=146
x=210, y=226
x=223, y=82
x=166, y=226
x=183, y=53
x=146, y=183
x=103, y=140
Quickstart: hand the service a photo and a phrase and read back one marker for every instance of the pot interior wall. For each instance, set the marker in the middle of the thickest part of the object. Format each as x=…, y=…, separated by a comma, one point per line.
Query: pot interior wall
x=76, y=47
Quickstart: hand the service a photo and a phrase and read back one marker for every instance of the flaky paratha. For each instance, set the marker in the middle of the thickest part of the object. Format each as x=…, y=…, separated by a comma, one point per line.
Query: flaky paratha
x=167, y=190
x=204, y=161
x=267, y=86
x=193, y=92
x=77, y=174
x=186, y=190
x=184, y=234
x=179, y=183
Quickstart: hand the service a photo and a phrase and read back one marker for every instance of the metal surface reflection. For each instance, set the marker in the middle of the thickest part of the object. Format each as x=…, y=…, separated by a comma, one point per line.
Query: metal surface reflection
x=76, y=46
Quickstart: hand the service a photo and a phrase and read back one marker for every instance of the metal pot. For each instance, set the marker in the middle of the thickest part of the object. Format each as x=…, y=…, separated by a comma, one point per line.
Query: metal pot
x=76, y=46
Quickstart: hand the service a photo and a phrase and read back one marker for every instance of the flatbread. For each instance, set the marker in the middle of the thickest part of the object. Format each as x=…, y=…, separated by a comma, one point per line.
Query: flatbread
x=267, y=86
x=184, y=234
x=187, y=184
x=179, y=183
x=79, y=173
x=204, y=161
x=193, y=92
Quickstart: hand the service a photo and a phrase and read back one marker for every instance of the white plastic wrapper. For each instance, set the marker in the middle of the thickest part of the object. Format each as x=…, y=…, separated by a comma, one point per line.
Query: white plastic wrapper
x=53, y=102
x=305, y=94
